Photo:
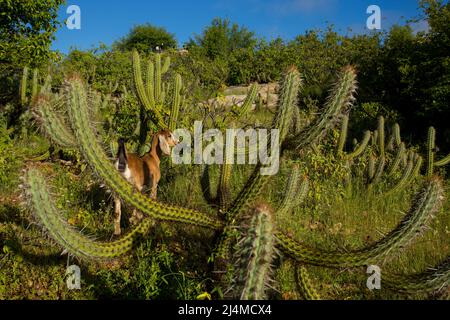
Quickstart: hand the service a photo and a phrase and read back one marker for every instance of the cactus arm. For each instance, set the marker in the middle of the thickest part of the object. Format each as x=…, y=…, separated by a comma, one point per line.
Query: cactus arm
x=158, y=78
x=417, y=166
x=34, y=85
x=305, y=285
x=433, y=280
x=52, y=124
x=175, y=103
x=65, y=235
x=343, y=134
x=46, y=88
x=407, y=172
x=97, y=158
x=23, y=86
x=254, y=255
x=443, y=162
x=396, y=162
x=371, y=169
x=289, y=87
x=246, y=105
x=166, y=65
x=381, y=137
x=149, y=83
x=223, y=190
x=431, y=146
x=341, y=98
x=294, y=192
x=379, y=171
x=397, y=136
x=425, y=204
x=361, y=147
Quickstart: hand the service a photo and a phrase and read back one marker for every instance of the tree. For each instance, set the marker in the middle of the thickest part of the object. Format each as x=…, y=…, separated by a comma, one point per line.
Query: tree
x=221, y=38
x=145, y=38
x=27, y=29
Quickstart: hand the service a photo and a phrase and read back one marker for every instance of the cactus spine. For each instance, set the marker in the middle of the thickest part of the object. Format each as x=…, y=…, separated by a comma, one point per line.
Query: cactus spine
x=254, y=255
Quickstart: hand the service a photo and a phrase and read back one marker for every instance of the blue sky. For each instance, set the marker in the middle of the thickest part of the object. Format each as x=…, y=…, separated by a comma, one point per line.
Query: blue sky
x=104, y=21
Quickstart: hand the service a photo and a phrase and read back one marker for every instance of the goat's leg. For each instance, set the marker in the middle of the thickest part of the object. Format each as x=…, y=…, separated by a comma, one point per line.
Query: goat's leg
x=154, y=190
x=117, y=214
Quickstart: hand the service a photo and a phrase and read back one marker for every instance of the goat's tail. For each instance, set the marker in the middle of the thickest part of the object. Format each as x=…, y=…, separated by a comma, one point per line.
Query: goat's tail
x=121, y=156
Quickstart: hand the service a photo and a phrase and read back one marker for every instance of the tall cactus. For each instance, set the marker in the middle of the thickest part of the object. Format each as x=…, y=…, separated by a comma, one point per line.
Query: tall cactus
x=23, y=86
x=381, y=137
x=431, y=146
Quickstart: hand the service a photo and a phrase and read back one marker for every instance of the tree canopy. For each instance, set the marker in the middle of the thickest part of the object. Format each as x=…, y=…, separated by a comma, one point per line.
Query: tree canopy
x=145, y=38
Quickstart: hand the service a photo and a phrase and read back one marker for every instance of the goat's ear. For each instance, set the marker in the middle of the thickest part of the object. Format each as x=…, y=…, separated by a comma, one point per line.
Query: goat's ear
x=164, y=145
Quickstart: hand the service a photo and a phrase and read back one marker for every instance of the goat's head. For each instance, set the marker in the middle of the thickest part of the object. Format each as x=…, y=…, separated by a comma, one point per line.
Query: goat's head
x=166, y=141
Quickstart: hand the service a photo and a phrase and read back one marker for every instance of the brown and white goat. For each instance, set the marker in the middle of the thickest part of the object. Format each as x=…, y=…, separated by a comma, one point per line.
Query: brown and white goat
x=142, y=172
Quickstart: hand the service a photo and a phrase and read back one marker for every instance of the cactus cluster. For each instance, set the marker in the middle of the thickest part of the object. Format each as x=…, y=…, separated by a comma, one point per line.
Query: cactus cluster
x=36, y=88
x=387, y=160
x=248, y=237
x=153, y=92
